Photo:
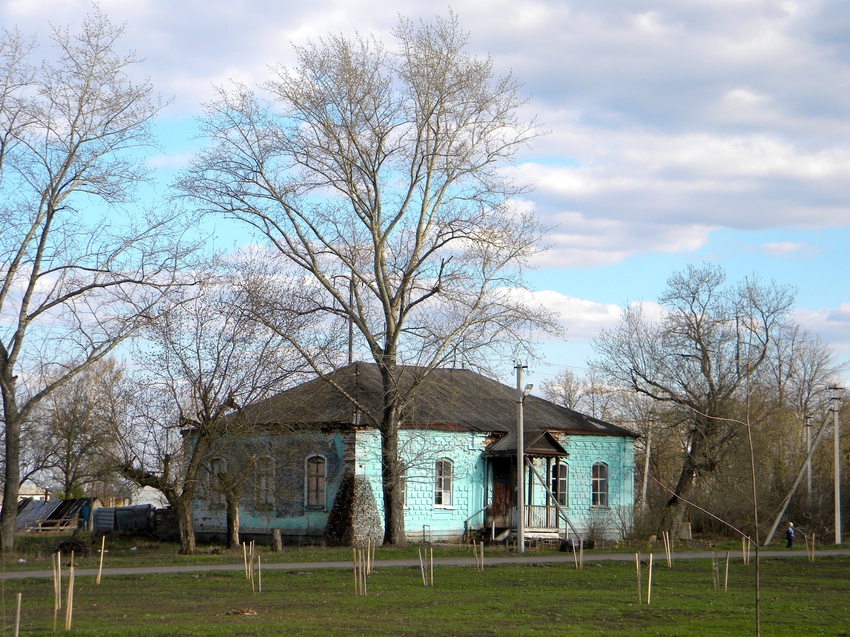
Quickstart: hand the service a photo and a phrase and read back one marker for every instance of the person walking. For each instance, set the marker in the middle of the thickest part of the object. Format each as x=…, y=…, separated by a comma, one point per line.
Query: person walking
x=789, y=535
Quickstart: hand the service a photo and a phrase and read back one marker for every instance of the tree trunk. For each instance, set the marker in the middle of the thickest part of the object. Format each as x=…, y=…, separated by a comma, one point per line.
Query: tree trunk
x=232, y=522
x=645, y=481
x=11, y=484
x=184, y=526
x=394, y=531
x=12, y=474
x=674, y=512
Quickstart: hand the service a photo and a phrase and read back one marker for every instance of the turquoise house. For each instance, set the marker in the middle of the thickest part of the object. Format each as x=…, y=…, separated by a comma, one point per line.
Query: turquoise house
x=308, y=463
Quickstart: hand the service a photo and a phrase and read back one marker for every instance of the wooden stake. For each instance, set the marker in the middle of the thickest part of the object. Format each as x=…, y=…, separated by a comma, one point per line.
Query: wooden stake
x=432, y=566
x=649, y=582
x=18, y=617
x=59, y=577
x=252, y=552
x=245, y=558
x=813, y=547
x=580, y=554
x=744, y=550
x=100, y=568
x=726, y=577
x=482, y=556
x=422, y=568
x=55, y=590
x=575, y=556
x=354, y=568
x=714, y=570
x=637, y=574
x=259, y=574
x=69, y=607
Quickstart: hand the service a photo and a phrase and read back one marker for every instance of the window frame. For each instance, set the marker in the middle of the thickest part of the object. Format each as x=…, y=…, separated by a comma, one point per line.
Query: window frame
x=315, y=483
x=215, y=493
x=560, y=484
x=443, y=483
x=599, y=485
x=264, y=482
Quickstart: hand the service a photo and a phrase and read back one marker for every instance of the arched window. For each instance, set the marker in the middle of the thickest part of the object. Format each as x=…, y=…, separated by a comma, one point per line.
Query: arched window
x=315, y=470
x=561, y=483
x=600, y=485
x=217, y=473
x=443, y=483
x=264, y=481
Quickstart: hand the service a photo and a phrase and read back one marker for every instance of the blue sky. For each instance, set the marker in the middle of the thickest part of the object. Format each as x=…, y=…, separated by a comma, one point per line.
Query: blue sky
x=680, y=132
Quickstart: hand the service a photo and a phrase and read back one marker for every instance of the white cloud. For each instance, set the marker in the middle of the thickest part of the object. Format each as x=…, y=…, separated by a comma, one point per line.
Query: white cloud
x=671, y=124
x=785, y=248
x=582, y=319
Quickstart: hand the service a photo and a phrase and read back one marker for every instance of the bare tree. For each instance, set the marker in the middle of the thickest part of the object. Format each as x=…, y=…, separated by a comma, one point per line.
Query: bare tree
x=379, y=174
x=204, y=360
x=73, y=426
x=77, y=274
x=588, y=394
x=697, y=359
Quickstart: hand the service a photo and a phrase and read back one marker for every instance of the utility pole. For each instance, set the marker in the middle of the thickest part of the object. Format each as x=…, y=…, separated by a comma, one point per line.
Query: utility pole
x=836, y=407
x=809, y=457
x=521, y=393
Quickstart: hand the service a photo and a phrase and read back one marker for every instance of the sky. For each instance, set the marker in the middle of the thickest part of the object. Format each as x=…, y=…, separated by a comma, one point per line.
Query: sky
x=679, y=132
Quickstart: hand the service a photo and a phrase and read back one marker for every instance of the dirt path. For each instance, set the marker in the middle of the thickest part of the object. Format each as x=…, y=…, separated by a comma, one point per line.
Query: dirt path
x=589, y=556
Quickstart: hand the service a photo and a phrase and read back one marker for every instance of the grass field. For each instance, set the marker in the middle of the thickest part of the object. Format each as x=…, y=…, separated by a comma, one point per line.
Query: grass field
x=798, y=598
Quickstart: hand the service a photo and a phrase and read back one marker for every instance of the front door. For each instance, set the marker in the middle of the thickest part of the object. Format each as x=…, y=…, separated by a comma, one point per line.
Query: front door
x=503, y=492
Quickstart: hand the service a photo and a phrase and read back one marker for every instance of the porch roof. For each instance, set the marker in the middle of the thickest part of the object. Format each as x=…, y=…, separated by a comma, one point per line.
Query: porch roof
x=536, y=443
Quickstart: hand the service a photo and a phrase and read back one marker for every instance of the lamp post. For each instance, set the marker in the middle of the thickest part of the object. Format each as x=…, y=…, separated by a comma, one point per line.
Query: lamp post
x=521, y=393
x=836, y=406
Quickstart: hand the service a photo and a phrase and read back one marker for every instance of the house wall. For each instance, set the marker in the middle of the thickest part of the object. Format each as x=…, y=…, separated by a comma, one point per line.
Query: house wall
x=420, y=450
x=585, y=451
x=289, y=511
x=359, y=452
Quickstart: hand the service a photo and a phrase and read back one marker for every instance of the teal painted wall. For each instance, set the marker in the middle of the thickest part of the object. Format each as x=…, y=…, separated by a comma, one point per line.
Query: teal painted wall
x=289, y=511
x=420, y=450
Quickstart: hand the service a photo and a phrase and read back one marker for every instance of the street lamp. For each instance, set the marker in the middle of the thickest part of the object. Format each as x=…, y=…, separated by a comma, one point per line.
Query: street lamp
x=520, y=458
x=836, y=407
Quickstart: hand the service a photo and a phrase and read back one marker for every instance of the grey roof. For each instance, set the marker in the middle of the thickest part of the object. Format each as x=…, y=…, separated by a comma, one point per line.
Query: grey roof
x=456, y=398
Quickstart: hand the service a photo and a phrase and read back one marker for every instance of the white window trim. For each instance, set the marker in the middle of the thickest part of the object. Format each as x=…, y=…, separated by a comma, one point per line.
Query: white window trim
x=593, y=491
x=451, y=488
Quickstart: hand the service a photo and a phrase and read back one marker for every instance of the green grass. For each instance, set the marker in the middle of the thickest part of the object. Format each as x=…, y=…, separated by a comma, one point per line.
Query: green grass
x=798, y=598
x=32, y=552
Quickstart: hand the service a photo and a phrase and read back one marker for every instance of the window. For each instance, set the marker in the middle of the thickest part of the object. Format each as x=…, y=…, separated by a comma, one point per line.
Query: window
x=561, y=483
x=218, y=473
x=316, y=482
x=600, y=485
x=264, y=482
x=443, y=484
